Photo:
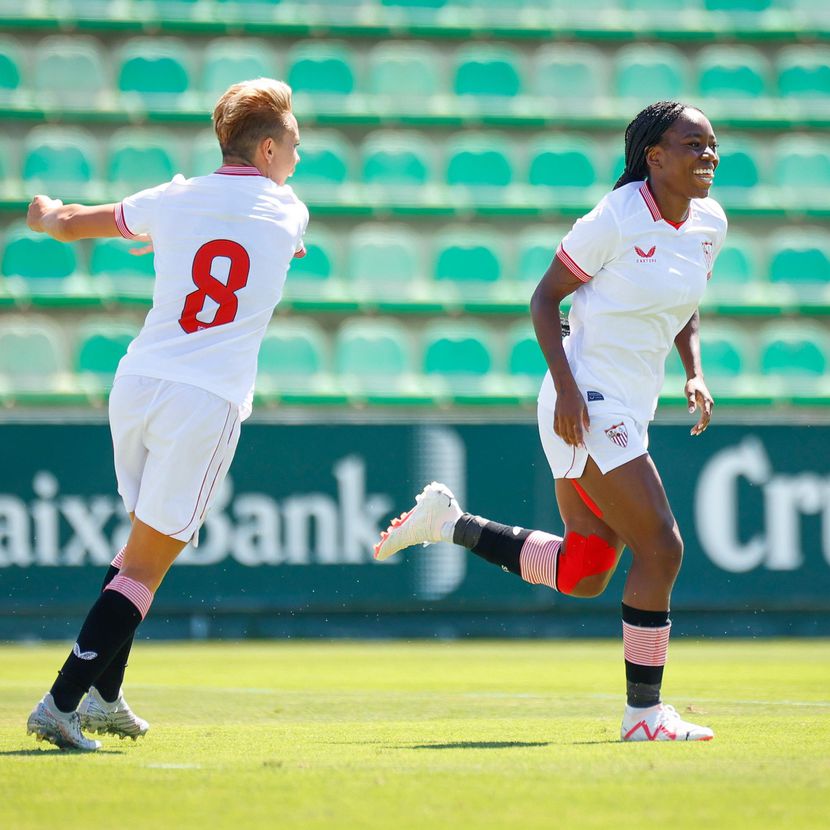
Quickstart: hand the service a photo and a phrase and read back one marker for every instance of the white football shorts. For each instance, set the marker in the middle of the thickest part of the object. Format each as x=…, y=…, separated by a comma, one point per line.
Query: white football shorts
x=173, y=444
x=612, y=440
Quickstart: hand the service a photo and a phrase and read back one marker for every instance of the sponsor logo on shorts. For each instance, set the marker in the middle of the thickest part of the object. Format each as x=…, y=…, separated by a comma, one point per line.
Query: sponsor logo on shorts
x=618, y=434
x=645, y=255
x=595, y=396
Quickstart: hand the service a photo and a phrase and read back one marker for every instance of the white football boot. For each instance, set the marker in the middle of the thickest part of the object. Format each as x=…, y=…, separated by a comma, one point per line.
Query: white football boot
x=98, y=715
x=660, y=723
x=63, y=729
x=435, y=506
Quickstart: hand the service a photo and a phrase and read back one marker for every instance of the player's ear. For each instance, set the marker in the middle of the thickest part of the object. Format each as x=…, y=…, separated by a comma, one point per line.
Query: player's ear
x=654, y=156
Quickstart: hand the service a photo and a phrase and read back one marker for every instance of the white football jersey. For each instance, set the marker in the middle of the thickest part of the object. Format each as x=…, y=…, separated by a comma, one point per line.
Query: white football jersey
x=644, y=278
x=223, y=244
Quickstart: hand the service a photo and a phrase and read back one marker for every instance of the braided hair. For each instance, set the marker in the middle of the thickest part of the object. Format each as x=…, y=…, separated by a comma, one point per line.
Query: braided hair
x=643, y=132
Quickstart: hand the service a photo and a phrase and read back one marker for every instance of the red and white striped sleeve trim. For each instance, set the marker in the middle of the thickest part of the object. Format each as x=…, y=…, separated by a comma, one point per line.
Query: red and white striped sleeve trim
x=121, y=222
x=565, y=259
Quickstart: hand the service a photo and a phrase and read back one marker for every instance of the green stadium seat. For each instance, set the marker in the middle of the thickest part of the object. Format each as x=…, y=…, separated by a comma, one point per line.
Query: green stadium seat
x=384, y=261
x=457, y=358
x=139, y=159
x=739, y=262
x=803, y=165
x=32, y=354
x=62, y=162
x=803, y=72
x=326, y=159
x=168, y=10
x=469, y=256
x=397, y=159
x=524, y=357
x=563, y=162
x=488, y=72
x=644, y=74
x=732, y=72
x=536, y=248
x=739, y=163
x=669, y=7
x=230, y=60
x=36, y=257
x=800, y=257
x=798, y=350
x=739, y=6
x=293, y=355
x=402, y=72
x=100, y=345
x=69, y=72
x=10, y=67
x=155, y=72
x=479, y=160
x=416, y=4
x=726, y=353
x=577, y=75
x=112, y=258
x=322, y=68
x=246, y=11
x=320, y=264
x=205, y=155
x=373, y=356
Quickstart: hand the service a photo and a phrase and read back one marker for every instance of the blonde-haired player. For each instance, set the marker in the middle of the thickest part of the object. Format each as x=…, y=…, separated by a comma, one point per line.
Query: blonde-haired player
x=223, y=244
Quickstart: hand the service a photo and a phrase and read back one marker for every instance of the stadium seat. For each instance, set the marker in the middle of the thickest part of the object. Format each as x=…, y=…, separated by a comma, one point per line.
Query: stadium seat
x=794, y=351
x=469, y=255
x=155, y=72
x=802, y=164
x=326, y=159
x=35, y=256
x=10, y=74
x=397, y=159
x=205, y=155
x=732, y=72
x=402, y=72
x=568, y=161
x=373, y=355
x=60, y=161
x=32, y=354
x=643, y=74
x=458, y=361
x=384, y=261
x=323, y=68
x=739, y=163
x=320, y=264
x=231, y=60
x=100, y=346
x=488, y=72
x=536, y=248
x=479, y=160
x=804, y=72
x=800, y=256
x=740, y=261
x=112, y=258
x=139, y=159
x=739, y=6
x=574, y=75
x=292, y=354
x=726, y=351
x=524, y=357
x=246, y=11
x=69, y=72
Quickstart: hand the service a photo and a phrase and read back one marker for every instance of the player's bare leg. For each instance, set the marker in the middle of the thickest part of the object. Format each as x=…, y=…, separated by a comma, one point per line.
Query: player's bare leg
x=111, y=622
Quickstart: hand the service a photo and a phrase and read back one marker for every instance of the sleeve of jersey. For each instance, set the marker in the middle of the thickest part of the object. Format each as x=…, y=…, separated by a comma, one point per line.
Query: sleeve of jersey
x=135, y=214
x=591, y=242
x=300, y=250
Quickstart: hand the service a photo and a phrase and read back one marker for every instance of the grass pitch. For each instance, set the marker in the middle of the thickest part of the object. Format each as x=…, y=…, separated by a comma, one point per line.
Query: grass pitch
x=398, y=735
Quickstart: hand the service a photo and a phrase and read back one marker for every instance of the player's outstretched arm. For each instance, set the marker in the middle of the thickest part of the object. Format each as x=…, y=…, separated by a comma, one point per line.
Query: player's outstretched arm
x=67, y=223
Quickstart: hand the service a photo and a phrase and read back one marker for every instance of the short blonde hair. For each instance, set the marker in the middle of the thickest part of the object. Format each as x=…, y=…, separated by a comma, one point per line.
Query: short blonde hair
x=250, y=111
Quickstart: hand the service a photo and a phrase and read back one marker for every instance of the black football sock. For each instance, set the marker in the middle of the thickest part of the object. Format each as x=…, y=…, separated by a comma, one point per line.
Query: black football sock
x=496, y=543
x=109, y=682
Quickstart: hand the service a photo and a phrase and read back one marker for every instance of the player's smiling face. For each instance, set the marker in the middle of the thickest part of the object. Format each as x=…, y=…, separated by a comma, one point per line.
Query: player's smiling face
x=284, y=157
x=685, y=159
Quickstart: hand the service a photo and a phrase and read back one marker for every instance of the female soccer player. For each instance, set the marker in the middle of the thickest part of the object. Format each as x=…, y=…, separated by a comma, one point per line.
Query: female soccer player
x=637, y=265
x=223, y=244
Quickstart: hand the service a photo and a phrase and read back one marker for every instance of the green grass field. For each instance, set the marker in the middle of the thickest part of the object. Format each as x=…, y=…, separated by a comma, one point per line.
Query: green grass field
x=428, y=735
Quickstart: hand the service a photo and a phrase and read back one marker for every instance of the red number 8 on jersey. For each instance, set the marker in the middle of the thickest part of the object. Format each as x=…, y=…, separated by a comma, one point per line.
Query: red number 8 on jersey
x=223, y=294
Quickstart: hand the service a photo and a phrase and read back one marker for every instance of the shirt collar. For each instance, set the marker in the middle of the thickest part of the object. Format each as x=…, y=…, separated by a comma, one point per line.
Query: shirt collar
x=651, y=204
x=238, y=170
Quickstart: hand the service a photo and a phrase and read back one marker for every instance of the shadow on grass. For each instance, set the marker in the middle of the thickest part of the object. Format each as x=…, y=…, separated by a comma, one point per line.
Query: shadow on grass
x=52, y=751
x=478, y=745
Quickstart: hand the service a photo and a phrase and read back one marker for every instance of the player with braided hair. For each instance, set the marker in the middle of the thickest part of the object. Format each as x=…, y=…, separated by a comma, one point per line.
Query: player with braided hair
x=637, y=266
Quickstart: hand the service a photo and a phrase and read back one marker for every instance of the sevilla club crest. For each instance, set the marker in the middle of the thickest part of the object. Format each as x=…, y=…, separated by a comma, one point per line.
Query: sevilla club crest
x=618, y=434
x=708, y=254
